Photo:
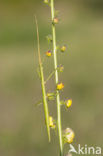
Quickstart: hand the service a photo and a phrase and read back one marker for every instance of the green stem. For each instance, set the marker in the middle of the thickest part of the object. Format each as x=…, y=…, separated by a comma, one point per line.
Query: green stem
x=45, y=102
x=46, y=111
x=49, y=77
x=56, y=80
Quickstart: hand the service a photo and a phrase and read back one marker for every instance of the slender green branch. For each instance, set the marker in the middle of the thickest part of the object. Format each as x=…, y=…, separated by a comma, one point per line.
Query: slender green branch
x=38, y=103
x=49, y=77
x=43, y=85
x=56, y=80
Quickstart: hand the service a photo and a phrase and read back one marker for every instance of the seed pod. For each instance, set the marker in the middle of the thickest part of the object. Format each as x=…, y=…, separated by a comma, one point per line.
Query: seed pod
x=68, y=135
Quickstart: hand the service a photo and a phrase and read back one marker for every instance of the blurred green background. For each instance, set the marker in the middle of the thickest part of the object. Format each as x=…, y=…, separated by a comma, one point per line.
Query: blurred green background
x=22, y=128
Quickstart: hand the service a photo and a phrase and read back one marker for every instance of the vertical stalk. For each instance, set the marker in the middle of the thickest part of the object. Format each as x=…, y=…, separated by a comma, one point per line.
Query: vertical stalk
x=56, y=80
x=46, y=111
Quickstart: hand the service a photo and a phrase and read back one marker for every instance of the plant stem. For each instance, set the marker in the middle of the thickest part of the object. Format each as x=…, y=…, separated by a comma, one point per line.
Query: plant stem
x=49, y=77
x=56, y=80
x=46, y=111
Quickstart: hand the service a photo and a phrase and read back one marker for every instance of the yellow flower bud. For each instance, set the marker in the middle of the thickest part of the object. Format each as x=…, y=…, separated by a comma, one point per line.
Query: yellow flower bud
x=61, y=68
x=63, y=49
x=51, y=122
x=55, y=20
x=68, y=103
x=46, y=1
x=69, y=135
x=60, y=86
x=48, y=53
x=50, y=96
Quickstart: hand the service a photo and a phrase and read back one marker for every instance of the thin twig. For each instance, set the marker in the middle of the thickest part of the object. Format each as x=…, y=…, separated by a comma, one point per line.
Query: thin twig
x=43, y=84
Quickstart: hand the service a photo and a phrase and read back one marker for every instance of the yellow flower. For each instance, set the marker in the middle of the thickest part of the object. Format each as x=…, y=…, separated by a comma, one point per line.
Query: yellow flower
x=48, y=53
x=69, y=135
x=51, y=122
x=69, y=103
x=55, y=20
x=60, y=86
x=63, y=49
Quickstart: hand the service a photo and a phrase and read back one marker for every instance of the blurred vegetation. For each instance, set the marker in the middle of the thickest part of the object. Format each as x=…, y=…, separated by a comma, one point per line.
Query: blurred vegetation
x=22, y=129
